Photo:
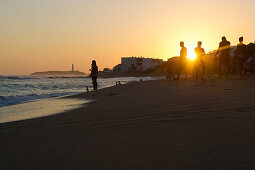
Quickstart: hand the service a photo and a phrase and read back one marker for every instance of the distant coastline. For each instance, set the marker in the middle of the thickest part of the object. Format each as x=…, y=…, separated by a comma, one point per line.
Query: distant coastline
x=59, y=73
x=101, y=74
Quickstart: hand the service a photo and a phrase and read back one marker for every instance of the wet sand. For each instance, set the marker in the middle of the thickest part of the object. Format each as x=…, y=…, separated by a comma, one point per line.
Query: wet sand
x=39, y=108
x=142, y=125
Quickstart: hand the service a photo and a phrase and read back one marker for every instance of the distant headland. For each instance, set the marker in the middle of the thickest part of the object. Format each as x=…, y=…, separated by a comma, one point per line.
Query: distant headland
x=60, y=73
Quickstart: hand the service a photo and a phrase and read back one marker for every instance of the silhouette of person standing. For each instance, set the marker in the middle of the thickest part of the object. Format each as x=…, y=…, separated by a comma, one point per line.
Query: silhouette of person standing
x=199, y=63
x=250, y=55
x=183, y=61
x=224, y=58
x=240, y=55
x=94, y=73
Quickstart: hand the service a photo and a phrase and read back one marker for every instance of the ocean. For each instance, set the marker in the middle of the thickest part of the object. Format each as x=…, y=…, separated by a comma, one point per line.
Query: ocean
x=20, y=89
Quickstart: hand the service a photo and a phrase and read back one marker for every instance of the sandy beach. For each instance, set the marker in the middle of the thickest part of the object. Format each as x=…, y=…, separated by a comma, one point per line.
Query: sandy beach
x=142, y=125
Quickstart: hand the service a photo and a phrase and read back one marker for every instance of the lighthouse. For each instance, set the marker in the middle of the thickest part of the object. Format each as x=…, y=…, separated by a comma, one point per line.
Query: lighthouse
x=72, y=67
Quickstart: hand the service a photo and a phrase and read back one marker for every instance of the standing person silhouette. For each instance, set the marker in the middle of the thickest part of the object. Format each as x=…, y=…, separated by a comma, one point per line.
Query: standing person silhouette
x=240, y=56
x=224, y=58
x=183, y=61
x=249, y=61
x=93, y=74
x=199, y=63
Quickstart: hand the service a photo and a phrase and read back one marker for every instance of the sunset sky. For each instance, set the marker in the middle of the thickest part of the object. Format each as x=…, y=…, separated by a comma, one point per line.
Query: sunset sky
x=52, y=34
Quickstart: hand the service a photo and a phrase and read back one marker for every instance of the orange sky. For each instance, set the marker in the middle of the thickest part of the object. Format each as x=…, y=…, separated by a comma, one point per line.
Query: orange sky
x=52, y=34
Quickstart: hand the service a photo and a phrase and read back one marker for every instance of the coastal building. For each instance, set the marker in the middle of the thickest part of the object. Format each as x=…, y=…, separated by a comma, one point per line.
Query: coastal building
x=132, y=64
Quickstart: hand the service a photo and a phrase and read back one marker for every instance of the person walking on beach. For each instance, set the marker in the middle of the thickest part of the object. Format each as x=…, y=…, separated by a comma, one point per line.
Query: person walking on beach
x=199, y=63
x=240, y=56
x=183, y=61
x=94, y=73
x=224, y=58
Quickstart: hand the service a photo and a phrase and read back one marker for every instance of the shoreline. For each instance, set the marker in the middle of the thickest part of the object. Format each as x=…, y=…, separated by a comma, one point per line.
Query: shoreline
x=39, y=108
x=13, y=99
x=156, y=124
x=41, y=105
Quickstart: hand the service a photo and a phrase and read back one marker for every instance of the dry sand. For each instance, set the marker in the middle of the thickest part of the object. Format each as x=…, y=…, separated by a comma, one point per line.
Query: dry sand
x=142, y=125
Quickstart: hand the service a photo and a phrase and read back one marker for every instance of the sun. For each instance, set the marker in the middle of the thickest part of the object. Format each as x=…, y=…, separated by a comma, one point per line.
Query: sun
x=191, y=54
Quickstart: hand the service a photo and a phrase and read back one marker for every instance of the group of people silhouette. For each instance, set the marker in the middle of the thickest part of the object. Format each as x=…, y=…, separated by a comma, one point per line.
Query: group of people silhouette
x=199, y=63
x=243, y=59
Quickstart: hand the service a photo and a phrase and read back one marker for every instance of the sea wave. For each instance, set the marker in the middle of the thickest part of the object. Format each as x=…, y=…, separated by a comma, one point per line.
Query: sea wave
x=11, y=100
x=39, y=77
x=18, y=77
x=19, y=89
